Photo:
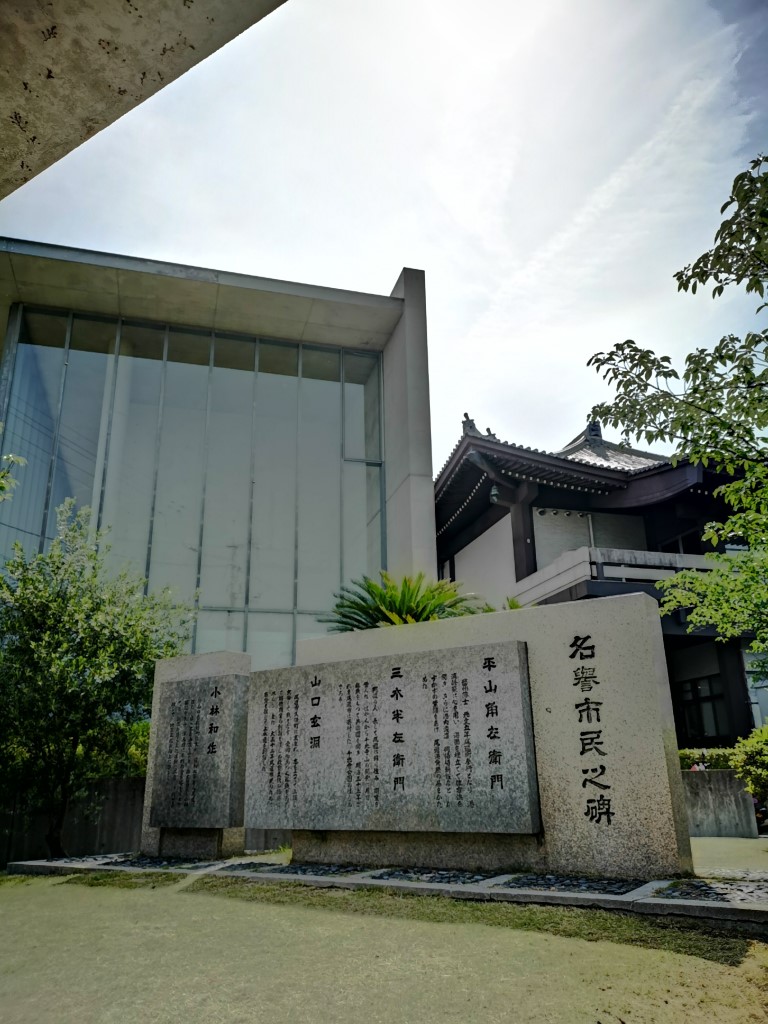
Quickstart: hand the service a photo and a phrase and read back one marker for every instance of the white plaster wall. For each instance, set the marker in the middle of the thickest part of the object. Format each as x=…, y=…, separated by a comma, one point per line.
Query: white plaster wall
x=486, y=567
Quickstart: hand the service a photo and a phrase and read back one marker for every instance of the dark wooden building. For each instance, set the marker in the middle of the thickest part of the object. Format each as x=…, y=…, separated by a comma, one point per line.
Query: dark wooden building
x=593, y=520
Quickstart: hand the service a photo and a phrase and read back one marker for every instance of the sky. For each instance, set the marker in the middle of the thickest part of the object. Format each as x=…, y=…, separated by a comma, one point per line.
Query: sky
x=549, y=166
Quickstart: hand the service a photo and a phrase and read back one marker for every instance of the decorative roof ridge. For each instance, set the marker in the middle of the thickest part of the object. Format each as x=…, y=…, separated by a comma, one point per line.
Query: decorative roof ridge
x=469, y=429
x=594, y=443
x=591, y=437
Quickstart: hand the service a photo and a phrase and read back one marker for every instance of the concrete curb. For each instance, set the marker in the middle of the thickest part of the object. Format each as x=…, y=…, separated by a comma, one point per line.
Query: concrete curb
x=746, y=918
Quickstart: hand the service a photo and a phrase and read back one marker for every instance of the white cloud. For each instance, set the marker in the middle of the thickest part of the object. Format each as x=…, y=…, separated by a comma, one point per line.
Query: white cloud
x=549, y=167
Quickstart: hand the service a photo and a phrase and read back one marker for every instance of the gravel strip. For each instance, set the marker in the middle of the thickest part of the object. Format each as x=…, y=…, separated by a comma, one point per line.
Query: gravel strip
x=567, y=883
x=716, y=891
x=301, y=869
x=433, y=876
x=157, y=863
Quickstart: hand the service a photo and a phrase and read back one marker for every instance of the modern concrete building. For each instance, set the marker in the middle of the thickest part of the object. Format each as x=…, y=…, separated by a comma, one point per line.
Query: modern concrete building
x=69, y=68
x=251, y=441
x=593, y=520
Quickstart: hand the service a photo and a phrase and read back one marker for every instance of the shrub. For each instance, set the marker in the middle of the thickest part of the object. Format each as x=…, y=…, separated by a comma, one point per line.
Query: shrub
x=714, y=758
x=366, y=603
x=750, y=760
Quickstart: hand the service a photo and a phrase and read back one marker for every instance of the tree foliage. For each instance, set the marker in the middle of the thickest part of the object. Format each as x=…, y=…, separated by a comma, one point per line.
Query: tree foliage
x=77, y=652
x=7, y=480
x=740, y=253
x=368, y=603
x=715, y=412
x=750, y=760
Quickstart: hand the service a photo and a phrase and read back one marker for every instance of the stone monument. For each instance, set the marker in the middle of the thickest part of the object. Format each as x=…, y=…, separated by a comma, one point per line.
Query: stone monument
x=194, y=794
x=540, y=739
x=438, y=742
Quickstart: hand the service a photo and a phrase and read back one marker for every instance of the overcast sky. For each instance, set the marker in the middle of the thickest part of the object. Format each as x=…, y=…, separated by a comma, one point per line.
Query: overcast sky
x=548, y=165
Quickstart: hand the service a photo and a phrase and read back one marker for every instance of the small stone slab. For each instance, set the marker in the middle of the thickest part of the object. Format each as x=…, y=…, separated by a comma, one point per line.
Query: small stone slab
x=431, y=742
x=199, y=753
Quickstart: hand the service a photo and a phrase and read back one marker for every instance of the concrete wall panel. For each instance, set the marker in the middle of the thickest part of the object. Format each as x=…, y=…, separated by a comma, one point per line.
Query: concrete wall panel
x=69, y=68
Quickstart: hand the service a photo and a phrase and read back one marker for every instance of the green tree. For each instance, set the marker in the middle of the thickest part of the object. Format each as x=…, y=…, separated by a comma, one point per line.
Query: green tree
x=77, y=652
x=750, y=760
x=715, y=412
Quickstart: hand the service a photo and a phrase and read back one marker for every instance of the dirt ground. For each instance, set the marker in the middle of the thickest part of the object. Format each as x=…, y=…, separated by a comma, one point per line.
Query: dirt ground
x=81, y=955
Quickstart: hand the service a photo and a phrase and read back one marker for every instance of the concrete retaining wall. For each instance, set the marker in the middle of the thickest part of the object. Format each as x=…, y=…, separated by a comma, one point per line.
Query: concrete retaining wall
x=718, y=805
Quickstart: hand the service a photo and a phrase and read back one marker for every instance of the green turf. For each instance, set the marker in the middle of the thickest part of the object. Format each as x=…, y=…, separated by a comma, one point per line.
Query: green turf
x=75, y=953
x=571, y=922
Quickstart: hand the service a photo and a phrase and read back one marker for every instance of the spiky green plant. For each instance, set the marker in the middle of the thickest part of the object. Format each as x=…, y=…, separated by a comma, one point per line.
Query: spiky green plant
x=368, y=603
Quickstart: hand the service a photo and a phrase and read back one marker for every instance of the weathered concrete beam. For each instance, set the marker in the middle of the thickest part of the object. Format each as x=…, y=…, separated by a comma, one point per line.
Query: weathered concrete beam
x=69, y=68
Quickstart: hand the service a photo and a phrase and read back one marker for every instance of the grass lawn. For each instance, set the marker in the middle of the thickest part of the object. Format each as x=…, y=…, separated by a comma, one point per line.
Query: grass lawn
x=95, y=950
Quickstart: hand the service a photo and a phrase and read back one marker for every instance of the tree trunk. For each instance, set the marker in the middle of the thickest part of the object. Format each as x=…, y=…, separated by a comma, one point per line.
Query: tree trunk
x=53, y=837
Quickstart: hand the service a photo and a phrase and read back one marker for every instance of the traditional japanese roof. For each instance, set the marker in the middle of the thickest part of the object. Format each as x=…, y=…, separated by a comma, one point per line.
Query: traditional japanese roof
x=587, y=464
x=590, y=447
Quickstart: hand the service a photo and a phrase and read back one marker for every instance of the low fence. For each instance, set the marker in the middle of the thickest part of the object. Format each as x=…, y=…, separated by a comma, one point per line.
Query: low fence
x=106, y=820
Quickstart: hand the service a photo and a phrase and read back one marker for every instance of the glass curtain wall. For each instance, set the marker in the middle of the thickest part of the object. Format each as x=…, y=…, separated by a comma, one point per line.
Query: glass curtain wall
x=245, y=474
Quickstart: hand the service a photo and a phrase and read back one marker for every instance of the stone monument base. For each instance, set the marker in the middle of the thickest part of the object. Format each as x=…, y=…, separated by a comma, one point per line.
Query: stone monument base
x=213, y=843
x=468, y=851
x=464, y=851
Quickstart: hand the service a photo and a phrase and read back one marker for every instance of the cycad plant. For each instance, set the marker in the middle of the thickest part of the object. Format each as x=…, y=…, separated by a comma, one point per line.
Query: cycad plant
x=368, y=603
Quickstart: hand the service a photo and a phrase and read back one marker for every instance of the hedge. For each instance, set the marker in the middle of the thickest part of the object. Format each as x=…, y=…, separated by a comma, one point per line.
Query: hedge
x=712, y=757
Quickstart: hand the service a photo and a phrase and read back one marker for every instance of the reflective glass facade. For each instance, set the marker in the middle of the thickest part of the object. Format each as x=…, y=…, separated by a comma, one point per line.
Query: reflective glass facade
x=244, y=470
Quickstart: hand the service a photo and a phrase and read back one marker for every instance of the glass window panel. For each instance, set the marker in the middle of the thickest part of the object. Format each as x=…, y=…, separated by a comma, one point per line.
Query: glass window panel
x=308, y=628
x=319, y=364
x=228, y=480
x=319, y=527
x=280, y=359
x=270, y=640
x=30, y=426
x=132, y=441
x=178, y=503
x=273, y=536
x=362, y=520
x=235, y=353
x=361, y=407
x=84, y=416
x=708, y=723
x=219, y=631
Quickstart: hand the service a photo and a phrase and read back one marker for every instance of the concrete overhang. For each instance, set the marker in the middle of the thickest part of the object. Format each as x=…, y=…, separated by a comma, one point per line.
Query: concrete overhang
x=102, y=283
x=69, y=68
